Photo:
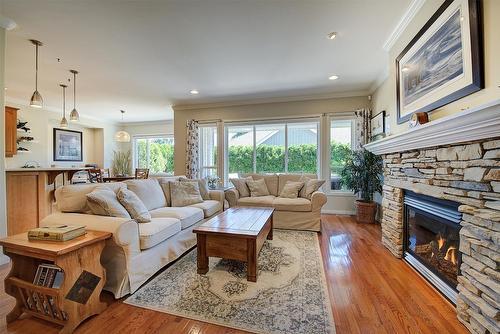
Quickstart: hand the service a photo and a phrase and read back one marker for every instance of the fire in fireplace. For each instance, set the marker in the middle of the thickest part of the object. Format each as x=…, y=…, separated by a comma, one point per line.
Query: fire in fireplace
x=431, y=240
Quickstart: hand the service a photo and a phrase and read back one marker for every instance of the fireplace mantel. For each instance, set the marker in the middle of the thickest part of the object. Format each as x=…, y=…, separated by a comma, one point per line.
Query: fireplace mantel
x=477, y=123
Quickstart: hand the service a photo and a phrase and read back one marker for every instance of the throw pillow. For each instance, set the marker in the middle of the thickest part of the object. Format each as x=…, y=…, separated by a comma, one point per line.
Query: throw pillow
x=291, y=189
x=310, y=186
x=149, y=191
x=185, y=193
x=258, y=188
x=202, y=185
x=134, y=205
x=241, y=185
x=102, y=201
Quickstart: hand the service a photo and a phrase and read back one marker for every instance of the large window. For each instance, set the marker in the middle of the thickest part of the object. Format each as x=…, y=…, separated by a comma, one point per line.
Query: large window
x=208, y=150
x=155, y=153
x=290, y=146
x=341, y=142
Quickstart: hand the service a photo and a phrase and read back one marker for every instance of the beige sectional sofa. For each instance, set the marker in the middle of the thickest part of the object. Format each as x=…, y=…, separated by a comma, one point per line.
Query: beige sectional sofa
x=290, y=213
x=137, y=250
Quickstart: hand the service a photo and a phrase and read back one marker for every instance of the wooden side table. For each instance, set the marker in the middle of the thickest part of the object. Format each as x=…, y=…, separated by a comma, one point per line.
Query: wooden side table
x=84, y=277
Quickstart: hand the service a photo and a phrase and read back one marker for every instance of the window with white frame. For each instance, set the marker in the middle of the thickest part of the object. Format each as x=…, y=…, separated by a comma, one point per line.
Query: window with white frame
x=154, y=152
x=341, y=142
x=208, y=150
x=272, y=147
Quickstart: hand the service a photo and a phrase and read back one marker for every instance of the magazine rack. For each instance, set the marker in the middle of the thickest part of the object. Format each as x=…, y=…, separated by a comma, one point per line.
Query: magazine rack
x=78, y=296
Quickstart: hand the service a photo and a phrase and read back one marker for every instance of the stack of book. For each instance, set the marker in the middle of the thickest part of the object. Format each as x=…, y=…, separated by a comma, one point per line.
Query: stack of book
x=50, y=276
x=56, y=232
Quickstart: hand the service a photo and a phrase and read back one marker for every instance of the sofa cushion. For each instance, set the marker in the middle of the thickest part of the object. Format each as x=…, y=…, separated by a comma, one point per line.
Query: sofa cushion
x=257, y=201
x=72, y=197
x=202, y=186
x=134, y=205
x=157, y=230
x=241, y=185
x=271, y=181
x=209, y=207
x=258, y=188
x=292, y=204
x=165, y=186
x=187, y=215
x=291, y=189
x=294, y=177
x=185, y=193
x=103, y=201
x=310, y=186
x=149, y=191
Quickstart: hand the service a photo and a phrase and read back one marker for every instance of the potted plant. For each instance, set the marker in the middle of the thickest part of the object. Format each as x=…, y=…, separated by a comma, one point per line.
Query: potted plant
x=361, y=174
x=121, y=163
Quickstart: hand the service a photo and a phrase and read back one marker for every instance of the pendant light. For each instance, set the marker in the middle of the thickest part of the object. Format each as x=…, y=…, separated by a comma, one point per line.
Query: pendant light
x=36, y=99
x=122, y=136
x=74, y=116
x=64, y=121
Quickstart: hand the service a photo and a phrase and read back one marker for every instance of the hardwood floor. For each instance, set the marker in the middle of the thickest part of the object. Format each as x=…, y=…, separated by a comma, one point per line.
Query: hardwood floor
x=370, y=292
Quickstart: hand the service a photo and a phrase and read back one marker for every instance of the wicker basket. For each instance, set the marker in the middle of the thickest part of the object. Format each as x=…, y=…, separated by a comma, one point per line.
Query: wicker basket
x=365, y=211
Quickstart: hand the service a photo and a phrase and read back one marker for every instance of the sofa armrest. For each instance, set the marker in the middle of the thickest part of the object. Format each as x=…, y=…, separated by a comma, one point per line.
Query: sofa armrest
x=217, y=195
x=318, y=199
x=232, y=196
x=125, y=230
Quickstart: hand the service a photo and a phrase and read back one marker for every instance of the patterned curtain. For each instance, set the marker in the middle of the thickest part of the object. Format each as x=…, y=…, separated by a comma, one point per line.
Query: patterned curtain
x=192, y=143
x=363, y=130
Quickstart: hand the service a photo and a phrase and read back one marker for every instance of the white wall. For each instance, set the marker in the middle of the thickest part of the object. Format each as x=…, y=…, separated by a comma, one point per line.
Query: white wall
x=98, y=143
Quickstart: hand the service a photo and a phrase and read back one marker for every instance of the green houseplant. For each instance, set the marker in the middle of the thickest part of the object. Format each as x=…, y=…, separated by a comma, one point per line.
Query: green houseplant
x=361, y=174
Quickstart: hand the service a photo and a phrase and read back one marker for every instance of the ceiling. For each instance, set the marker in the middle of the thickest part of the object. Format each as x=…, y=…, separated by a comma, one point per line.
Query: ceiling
x=145, y=56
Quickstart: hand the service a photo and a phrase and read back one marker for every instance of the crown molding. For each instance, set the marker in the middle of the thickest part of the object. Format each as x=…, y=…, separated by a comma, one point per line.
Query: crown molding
x=477, y=123
x=403, y=23
x=269, y=100
x=6, y=23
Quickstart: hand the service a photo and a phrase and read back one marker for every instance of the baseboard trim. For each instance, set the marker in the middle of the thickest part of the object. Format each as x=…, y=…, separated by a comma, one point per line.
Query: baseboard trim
x=338, y=212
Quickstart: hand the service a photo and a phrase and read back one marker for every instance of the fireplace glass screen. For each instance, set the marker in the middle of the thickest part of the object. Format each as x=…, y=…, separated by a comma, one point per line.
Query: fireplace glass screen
x=434, y=242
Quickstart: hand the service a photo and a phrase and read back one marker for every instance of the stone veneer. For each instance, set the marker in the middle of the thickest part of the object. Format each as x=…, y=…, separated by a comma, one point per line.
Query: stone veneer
x=468, y=174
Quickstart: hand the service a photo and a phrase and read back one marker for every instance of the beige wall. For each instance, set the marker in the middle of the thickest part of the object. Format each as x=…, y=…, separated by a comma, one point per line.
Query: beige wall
x=384, y=98
x=41, y=122
x=336, y=204
x=3, y=215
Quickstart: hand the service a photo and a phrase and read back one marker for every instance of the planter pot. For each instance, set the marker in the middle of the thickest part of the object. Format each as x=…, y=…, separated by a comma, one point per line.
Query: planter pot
x=365, y=211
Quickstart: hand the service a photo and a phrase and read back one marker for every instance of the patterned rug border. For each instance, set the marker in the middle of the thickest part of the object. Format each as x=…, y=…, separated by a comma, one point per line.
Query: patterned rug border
x=228, y=325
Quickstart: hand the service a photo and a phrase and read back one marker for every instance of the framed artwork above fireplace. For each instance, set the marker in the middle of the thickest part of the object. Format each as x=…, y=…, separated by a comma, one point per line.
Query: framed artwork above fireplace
x=443, y=62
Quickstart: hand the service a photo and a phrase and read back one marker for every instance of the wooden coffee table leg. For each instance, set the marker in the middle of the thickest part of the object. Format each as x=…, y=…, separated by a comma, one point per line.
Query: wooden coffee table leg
x=251, y=260
x=270, y=234
x=202, y=258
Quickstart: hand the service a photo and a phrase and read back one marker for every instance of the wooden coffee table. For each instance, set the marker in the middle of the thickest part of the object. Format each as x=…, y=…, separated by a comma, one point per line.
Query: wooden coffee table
x=236, y=234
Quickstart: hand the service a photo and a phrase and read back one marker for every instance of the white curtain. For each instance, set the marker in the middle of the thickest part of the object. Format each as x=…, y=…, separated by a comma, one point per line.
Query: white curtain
x=363, y=130
x=192, y=148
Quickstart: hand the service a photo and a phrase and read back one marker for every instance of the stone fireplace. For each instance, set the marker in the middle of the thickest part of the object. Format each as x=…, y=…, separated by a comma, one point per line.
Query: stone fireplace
x=455, y=160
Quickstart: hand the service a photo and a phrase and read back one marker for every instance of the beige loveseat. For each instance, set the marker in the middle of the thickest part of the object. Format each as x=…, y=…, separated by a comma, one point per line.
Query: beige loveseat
x=137, y=250
x=290, y=213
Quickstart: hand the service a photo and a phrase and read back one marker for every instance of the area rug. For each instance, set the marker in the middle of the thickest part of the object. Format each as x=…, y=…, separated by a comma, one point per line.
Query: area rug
x=290, y=295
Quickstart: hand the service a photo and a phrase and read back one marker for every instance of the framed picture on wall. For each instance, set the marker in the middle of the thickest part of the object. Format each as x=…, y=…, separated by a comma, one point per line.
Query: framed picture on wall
x=377, y=124
x=443, y=62
x=68, y=145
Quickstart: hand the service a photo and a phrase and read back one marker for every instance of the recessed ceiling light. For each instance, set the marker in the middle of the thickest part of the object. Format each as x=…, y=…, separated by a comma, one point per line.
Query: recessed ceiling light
x=332, y=35
x=333, y=77
x=194, y=92
x=405, y=69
